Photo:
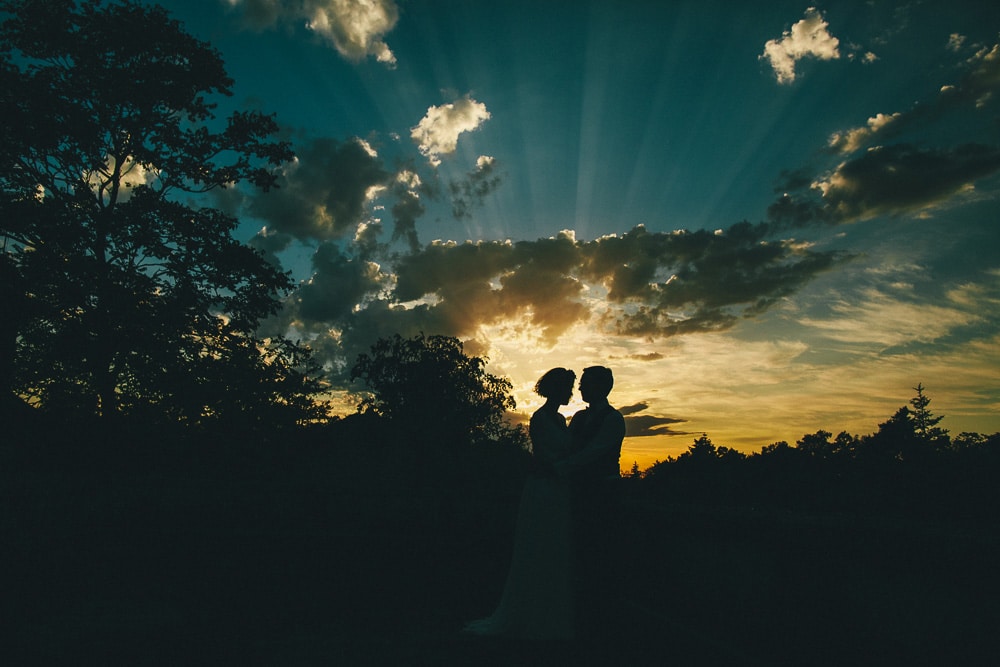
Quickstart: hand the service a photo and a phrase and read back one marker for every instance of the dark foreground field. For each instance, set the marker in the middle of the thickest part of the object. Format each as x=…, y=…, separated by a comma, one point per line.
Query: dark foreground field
x=123, y=555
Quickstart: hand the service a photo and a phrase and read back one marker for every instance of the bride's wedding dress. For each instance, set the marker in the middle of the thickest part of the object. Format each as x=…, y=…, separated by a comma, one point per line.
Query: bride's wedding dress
x=537, y=600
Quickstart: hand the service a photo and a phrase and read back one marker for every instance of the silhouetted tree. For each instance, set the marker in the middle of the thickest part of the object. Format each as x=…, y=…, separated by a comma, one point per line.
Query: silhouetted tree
x=432, y=391
x=845, y=445
x=702, y=449
x=780, y=448
x=909, y=435
x=925, y=423
x=816, y=444
x=131, y=294
x=968, y=441
x=895, y=439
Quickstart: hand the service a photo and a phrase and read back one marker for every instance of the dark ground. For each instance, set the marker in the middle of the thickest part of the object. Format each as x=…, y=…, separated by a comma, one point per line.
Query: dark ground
x=296, y=559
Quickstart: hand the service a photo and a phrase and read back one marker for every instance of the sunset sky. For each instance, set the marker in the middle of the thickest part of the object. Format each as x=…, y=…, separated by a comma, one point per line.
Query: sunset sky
x=766, y=218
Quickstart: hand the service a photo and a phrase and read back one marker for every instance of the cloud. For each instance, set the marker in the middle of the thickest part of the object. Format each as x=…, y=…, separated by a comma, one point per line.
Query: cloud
x=437, y=132
x=887, y=180
x=690, y=282
x=355, y=28
x=325, y=192
x=408, y=207
x=807, y=38
x=642, y=426
x=632, y=409
x=984, y=78
x=906, y=176
x=473, y=284
x=478, y=184
x=902, y=178
x=686, y=282
x=270, y=243
x=653, y=285
x=887, y=321
x=339, y=284
x=856, y=138
x=647, y=356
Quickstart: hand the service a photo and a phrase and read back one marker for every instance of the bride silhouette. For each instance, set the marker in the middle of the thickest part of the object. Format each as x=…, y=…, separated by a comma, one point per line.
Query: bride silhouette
x=537, y=600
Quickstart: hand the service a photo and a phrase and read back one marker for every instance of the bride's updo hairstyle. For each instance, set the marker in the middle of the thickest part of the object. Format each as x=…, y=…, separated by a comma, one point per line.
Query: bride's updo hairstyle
x=554, y=381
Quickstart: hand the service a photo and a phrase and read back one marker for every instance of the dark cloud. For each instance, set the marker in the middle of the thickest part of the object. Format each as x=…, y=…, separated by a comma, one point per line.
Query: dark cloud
x=887, y=180
x=440, y=265
x=366, y=240
x=665, y=284
x=640, y=426
x=890, y=169
x=901, y=178
x=469, y=192
x=269, y=243
x=643, y=426
x=698, y=281
x=405, y=212
x=657, y=285
x=649, y=356
x=324, y=194
x=795, y=211
x=485, y=282
x=793, y=179
x=339, y=284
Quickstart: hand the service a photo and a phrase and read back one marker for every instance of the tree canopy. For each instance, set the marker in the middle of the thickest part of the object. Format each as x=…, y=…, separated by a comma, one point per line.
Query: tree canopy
x=129, y=291
x=431, y=389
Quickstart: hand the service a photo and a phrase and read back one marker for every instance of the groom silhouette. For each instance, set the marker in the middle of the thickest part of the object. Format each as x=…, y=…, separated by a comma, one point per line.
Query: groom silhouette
x=594, y=471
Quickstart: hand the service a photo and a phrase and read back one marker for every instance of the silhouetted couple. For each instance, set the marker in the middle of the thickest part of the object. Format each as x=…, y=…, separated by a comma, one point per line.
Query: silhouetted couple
x=563, y=571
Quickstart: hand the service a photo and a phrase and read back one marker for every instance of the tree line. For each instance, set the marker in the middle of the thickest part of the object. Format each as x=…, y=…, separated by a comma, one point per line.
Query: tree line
x=910, y=466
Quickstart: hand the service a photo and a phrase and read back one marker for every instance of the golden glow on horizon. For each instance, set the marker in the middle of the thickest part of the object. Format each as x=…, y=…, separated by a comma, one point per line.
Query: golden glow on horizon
x=744, y=394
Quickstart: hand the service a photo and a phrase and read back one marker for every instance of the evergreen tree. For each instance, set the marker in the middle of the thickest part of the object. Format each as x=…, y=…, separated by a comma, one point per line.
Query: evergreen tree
x=925, y=423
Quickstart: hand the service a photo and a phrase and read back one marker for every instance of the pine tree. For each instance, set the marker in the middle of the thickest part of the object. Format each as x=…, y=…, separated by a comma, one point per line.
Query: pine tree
x=925, y=423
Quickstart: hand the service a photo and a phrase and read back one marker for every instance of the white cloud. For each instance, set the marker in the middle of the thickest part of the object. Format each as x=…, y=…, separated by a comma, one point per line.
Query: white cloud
x=853, y=139
x=437, y=132
x=808, y=37
x=355, y=28
x=409, y=179
x=881, y=320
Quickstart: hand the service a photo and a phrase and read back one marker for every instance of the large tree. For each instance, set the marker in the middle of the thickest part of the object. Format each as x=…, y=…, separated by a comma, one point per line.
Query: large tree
x=128, y=291
x=433, y=391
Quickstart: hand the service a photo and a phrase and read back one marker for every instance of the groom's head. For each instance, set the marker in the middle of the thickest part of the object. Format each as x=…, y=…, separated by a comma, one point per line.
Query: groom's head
x=596, y=383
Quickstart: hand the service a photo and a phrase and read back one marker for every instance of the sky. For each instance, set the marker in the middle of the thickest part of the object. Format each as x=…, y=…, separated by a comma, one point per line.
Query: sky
x=767, y=218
